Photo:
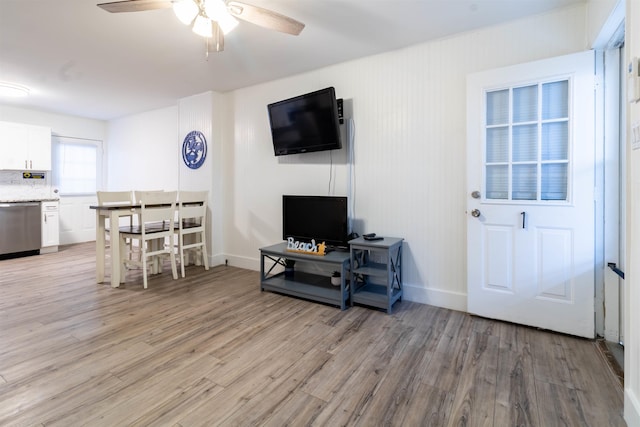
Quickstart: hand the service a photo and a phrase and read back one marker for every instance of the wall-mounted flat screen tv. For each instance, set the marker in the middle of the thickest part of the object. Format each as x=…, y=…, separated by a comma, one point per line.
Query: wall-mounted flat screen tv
x=322, y=218
x=305, y=123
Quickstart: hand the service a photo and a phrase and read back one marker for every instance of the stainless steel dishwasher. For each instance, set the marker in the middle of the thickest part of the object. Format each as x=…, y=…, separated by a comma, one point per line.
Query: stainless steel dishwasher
x=20, y=227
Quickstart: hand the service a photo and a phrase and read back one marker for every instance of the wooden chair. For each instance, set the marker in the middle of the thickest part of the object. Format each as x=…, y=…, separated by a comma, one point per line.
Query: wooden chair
x=137, y=194
x=192, y=220
x=106, y=198
x=157, y=216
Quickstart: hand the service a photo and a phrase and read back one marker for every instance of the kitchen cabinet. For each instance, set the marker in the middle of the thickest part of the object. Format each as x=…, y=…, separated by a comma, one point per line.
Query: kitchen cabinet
x=25, y=147
x=50, y=227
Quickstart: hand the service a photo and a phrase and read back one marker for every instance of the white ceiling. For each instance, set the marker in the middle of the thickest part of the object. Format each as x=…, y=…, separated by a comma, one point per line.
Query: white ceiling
x=81, y=60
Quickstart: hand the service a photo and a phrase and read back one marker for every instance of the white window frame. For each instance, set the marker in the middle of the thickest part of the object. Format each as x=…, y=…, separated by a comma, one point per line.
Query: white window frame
x=57, y=167
x=509, y=200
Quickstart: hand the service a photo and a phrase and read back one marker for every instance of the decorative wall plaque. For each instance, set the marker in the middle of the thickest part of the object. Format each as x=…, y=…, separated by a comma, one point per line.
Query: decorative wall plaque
x=194, y=149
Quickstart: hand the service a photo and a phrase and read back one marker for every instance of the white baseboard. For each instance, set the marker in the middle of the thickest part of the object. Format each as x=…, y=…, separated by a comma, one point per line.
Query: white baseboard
x=215, y=260
x=631, y=408
x=438, y=297
x=241, y=262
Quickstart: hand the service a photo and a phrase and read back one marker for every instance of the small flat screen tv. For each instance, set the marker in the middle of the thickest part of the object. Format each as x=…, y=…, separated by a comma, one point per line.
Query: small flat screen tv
x=305, y=123
x=321, y=218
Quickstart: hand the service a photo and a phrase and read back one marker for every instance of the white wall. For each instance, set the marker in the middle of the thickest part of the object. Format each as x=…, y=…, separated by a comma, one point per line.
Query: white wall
x=62, y=125
x=409, y=114
x=142, y=151
x=632, y=276
x=145, y=153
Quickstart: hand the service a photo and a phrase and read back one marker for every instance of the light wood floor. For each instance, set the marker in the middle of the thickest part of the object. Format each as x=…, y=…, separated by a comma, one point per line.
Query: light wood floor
x=212, y=349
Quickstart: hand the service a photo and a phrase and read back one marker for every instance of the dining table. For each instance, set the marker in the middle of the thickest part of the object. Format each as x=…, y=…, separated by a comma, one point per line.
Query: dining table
x=113, y=212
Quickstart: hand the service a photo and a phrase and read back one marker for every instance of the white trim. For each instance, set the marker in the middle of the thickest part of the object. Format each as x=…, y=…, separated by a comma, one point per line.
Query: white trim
x=243, y=262
x=437, y=297
x=611, y=185
x=610, y=26
x=631, y=408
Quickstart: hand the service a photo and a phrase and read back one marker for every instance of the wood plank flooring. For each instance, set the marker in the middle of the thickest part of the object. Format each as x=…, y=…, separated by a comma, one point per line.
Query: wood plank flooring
x=211, y=349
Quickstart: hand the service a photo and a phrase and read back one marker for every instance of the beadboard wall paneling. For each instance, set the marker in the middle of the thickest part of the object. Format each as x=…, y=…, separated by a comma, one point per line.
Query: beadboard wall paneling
x=408, y=111
x=199, y=113
x=195, y=113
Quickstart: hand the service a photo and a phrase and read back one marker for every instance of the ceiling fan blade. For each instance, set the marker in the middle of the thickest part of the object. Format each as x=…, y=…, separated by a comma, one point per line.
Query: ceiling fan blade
x=265, y=18
x=215, y=43
x=135, y=5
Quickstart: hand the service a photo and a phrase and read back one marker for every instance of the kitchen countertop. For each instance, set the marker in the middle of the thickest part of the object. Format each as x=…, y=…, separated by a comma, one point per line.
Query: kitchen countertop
x=30, y=200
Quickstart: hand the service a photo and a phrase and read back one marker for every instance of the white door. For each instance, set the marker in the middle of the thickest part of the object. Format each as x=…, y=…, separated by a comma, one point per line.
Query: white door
x=530, y=165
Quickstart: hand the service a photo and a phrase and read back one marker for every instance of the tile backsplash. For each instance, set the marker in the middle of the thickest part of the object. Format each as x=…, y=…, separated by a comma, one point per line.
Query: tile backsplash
x=14, y=187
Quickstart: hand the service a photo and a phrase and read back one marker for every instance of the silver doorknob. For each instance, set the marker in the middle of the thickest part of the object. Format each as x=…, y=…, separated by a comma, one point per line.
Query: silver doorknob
x=475, y=213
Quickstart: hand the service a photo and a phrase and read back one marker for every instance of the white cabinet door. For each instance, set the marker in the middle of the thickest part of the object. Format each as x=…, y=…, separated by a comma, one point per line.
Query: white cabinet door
x=39, y=148
x=13, y=146
x=50, y=224
x=25, y=147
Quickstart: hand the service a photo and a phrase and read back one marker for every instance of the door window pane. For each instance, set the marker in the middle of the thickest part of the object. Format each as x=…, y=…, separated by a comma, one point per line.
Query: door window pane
x=555, y=141
x=498, y=107
x=554, y=181
x=497, y=182
x=555, y=100
x=525, y=104
x=525, y=143
x=525, y=182
x=76, y=165
x=498, y=144
x=527, y=147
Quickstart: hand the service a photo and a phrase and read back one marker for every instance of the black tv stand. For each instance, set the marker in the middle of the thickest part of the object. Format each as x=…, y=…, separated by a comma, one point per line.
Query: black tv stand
x=310, y=286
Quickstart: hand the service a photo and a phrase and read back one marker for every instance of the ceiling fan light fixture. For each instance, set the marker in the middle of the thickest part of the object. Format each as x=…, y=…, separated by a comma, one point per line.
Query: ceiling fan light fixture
x=227, y=23
x=217, y=11
x=13, y=90
x=202, y=26
x=185, y=10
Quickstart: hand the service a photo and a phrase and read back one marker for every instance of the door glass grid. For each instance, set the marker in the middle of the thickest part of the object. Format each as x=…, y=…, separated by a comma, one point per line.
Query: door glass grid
x=527, y=142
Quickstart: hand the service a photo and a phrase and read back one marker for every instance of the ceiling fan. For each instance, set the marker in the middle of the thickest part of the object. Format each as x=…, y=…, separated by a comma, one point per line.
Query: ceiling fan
x=212, y=19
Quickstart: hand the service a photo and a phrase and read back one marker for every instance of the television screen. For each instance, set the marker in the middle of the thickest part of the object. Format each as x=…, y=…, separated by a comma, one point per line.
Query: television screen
x=322, y=218
x=305, y=123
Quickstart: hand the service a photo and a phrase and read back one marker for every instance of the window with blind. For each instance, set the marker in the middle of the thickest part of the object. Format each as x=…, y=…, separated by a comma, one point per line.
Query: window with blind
x=527, y=142
x=77, y=165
